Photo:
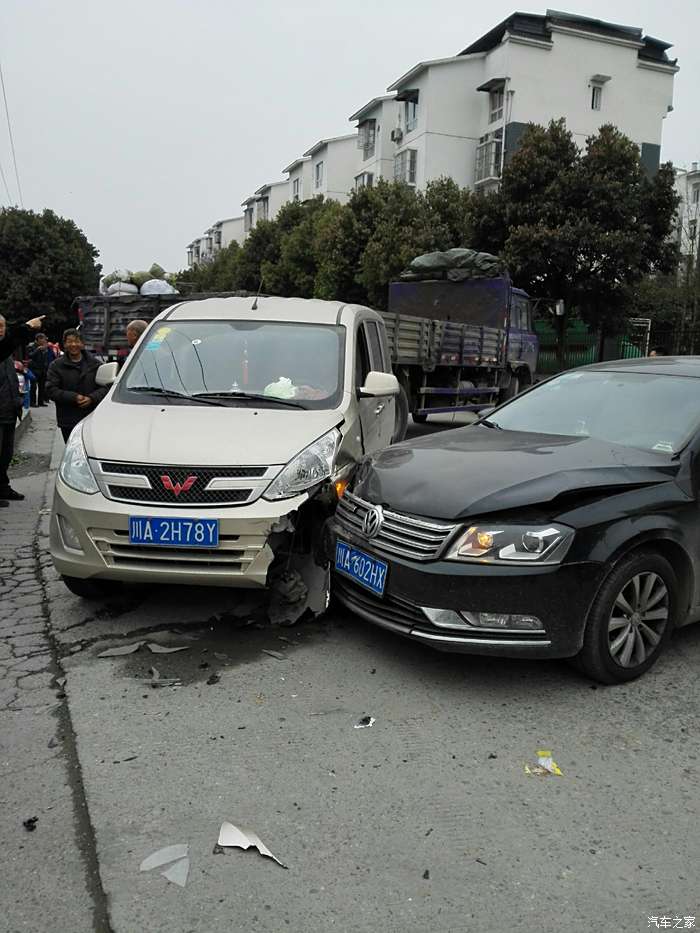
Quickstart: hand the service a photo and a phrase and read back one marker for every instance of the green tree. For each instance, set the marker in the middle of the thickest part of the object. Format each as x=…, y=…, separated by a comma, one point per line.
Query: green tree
x=45, y=262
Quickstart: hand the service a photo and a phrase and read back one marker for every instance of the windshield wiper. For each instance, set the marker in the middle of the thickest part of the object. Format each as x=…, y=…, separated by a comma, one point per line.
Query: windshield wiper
x=254, y=396
x=491, y=424
x=172, y=393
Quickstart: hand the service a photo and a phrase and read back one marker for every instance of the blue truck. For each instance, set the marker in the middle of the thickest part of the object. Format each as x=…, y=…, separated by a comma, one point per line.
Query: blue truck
x=459, y=346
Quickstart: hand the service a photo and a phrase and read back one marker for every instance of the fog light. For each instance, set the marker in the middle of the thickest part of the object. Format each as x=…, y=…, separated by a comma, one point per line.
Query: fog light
x=446, y=618
x=504, y=621
x=69, y=534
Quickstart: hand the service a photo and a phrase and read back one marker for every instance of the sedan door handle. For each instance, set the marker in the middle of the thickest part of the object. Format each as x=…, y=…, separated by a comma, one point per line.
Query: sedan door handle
x=380, y=408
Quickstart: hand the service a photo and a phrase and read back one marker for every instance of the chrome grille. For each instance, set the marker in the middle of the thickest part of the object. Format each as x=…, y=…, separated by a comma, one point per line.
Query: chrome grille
x=399, y=534
x=182, y=487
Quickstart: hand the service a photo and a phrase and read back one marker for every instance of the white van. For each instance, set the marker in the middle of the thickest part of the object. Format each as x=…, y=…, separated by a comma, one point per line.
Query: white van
x=223, y=444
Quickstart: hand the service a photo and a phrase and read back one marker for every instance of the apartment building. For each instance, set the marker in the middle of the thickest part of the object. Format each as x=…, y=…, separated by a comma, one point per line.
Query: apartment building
x=688, y=189
x=333, y=164
x=299, y=179
x=376, y=126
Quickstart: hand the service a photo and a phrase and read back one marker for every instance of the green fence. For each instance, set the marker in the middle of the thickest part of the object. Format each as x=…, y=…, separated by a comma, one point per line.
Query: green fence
x=581, y=348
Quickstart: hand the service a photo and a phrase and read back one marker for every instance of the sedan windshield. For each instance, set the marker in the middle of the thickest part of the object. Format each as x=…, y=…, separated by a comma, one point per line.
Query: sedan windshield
x=237, y=362
x=649, y=411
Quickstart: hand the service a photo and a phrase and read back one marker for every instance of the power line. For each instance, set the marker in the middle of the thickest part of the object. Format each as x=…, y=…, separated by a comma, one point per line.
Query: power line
x=12, y=142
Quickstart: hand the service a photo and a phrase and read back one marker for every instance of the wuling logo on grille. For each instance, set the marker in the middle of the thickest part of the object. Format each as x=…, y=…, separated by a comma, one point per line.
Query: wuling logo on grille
x=177, y=488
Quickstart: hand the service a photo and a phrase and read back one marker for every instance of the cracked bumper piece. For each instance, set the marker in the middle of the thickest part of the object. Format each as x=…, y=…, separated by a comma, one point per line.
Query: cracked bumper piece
x=554, y=599
x=99, y=527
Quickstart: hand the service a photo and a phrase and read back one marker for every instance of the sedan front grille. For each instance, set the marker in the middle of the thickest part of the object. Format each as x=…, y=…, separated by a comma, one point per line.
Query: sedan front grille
x=182, y=487
x=402, y=535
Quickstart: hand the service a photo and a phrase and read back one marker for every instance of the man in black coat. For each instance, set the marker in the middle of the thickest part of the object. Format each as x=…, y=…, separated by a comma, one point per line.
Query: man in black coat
x=41, y=357
x=10, y=410
x=12, y=335
x=71, y=384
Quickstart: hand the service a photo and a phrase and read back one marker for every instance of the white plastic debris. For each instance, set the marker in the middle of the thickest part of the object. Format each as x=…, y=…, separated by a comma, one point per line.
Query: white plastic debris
x=365, y=723
x=162, y=649
x=118, y=652
x=231, y=836
x=275, y=654
x=163, y=856
x=178, y=872
x=545, y=765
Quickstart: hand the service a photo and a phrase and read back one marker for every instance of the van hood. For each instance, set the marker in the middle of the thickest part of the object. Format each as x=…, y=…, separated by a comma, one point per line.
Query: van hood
x=189, y=435
x=476, y=470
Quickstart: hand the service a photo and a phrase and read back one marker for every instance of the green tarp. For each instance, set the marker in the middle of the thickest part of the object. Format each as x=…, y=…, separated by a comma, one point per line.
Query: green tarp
x=456, y=265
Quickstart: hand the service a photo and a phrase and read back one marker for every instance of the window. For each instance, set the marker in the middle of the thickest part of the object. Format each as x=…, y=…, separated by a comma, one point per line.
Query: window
x=376, y=357
x=366, y=138
x=318, y=174
x=696, y=194
x=410, y=114
x=489, y=153
x=263, y=209
x=362, y=363
x=405, y=166
x=248, y=219
x=496, y=105
x=296, y=189
x=596, y=97
x=217, y=239
x=692, y=229
x=364, y=180
x=190, y=256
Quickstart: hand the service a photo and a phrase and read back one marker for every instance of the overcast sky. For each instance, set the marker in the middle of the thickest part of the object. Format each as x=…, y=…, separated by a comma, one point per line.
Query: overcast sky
x=147, y=121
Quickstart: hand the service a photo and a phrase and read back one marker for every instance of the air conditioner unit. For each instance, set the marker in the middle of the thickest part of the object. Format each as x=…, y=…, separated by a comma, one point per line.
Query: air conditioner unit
x=397, y=135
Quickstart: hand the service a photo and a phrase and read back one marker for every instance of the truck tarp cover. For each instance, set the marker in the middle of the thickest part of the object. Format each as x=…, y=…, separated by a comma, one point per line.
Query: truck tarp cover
x=455, y=265
x=483, y=302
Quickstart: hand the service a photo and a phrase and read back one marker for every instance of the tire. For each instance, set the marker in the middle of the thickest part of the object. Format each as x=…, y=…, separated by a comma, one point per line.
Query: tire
x=401, y=423
x=419, y=419
x=630, y=622
x=90, y=589
x=512, y=389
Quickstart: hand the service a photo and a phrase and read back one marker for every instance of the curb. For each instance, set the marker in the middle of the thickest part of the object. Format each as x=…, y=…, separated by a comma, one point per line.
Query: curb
x=23, y=426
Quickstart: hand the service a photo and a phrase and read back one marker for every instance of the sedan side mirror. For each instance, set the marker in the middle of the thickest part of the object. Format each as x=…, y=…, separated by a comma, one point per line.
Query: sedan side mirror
x=380, y=384
x=106, y=374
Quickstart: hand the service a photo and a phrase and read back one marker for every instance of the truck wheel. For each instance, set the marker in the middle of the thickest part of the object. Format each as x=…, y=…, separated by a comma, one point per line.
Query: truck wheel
x=90, y=589
x=401, y=422
x=512, y=389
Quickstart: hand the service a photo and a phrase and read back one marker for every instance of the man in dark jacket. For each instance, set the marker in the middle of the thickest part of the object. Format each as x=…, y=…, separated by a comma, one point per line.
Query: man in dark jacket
x=12, y=335
x=70, y=383
x=10, y=411
x=39, y=360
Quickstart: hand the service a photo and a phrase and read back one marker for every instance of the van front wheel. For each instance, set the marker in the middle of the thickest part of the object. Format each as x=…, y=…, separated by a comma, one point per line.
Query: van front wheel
x=90, y=589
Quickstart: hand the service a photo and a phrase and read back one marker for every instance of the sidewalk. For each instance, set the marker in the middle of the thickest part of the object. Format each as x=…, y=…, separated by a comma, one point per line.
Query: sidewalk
x=48, y=873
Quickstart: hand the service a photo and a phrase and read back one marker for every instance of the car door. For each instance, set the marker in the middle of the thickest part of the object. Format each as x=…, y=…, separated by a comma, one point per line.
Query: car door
x=515, y=331
x=376, y=414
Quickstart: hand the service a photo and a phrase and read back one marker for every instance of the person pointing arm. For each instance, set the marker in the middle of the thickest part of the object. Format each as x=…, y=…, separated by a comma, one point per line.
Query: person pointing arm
x=15, y=334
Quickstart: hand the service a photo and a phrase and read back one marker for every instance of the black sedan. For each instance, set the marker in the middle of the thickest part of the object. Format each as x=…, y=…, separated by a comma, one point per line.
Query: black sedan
x=565, y=524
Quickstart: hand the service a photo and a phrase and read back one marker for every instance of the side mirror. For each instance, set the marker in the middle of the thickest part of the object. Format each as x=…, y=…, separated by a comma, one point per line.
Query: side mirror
x=380, y=384
x=106, y=374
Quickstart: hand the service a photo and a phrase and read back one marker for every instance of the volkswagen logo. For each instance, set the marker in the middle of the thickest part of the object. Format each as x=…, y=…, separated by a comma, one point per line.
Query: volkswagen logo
x=372, y=522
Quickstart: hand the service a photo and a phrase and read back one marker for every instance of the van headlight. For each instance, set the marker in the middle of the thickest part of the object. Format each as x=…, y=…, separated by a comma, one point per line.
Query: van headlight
x=75, y=470
x=513, y=544
x=309, y=468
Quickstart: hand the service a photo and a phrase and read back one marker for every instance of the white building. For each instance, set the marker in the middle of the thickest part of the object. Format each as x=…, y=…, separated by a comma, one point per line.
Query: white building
x=464, y=116
x=688, y=189
x=226, y=231
x=376, y=122
x=333, y=167
x=269, y=199
x=299, y=179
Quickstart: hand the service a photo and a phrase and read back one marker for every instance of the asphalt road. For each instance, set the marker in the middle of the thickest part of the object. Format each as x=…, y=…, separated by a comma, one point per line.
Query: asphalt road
x=427, y=820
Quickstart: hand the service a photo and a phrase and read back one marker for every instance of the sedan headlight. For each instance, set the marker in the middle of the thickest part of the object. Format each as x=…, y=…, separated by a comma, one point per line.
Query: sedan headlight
x=309, y=468
x=75, y=470
x=513, y=544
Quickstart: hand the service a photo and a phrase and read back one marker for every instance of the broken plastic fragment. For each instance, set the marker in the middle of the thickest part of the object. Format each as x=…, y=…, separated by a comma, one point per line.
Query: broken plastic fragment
x=231, y=836
x=158, y=681
x=163, y=856
x=365, y=723
x=30, y=824
x=178, y=872
x=162, y=649
x=545, y=765
x=118, y=652
x=275, y=654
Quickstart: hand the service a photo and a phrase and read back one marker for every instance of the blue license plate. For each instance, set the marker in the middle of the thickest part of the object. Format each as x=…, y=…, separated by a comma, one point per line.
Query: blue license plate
x=360, y=567
x=174, y=532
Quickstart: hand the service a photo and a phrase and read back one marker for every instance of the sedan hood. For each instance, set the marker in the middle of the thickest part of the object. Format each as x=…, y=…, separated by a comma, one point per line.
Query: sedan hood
x=187, y=435
x=479, y=470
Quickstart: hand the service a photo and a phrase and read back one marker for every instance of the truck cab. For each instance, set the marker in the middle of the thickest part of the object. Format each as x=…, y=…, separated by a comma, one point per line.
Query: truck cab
x=222, y=445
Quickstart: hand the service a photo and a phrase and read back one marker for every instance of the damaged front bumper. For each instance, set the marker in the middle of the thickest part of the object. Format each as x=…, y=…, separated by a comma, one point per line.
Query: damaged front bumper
x=89, y=539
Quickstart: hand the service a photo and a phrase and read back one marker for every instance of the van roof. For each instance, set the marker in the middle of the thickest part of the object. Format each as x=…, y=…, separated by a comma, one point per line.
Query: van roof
x=302, y=310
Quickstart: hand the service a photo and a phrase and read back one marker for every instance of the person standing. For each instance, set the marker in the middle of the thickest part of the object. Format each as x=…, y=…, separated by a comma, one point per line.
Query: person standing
x=70, y=383
x=10, y=411
x=40, y=359
x=12, y=335
x=134, y=329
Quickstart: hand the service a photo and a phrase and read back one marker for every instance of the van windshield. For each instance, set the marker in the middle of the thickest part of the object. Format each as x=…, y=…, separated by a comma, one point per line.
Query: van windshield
x=275, y=363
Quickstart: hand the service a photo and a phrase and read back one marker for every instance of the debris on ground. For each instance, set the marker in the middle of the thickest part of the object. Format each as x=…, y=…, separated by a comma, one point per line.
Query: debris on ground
x=30, y=824
x=61, y=682
x=275, y=654
x=426, y=875
x=158, y=681
x=121, y=650
x=177, y=854
x=545, y=765
x=214, y=679
x=53, y=742
x=220, y=657
x=163, y=649
x=365, y=723
x=231, y=837
x=492, y=755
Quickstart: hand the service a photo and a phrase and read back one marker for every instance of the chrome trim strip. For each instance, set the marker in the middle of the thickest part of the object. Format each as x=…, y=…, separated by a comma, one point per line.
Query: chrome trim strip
x=491, y=642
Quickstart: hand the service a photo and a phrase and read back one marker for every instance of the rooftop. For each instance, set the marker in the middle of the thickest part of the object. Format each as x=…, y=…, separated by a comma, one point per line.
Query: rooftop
x=324, y=142
x=370, y=105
